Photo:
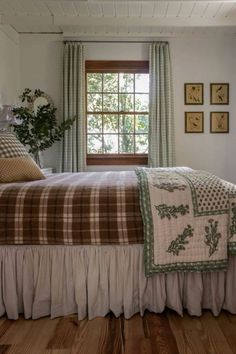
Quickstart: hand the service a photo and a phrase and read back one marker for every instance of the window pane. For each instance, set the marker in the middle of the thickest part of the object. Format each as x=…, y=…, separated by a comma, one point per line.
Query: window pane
x=110, y=82
x=110, y=103
x=141, y=103
x=94, y=123
x=94, y=143
x=126, y=102
x=141, y=143
x=126, y=82
x=94, y=102
x=141, y=124
x=126, y=144
x=126, y=124
x=111, y=143
x=141, y=83
x=110, y=123
x=94, y=82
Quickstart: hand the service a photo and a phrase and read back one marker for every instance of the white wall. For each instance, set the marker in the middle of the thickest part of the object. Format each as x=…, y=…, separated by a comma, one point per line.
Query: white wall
x=194, y=60
x=9, y=66
x=204, y=60
x=41, y=67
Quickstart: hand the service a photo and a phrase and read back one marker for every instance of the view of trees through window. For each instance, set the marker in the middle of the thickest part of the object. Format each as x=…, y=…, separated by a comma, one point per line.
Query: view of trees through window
x=117, y=112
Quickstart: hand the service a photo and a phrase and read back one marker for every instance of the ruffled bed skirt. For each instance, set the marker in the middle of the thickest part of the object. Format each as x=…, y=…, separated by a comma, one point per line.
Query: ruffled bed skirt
x=93, y=280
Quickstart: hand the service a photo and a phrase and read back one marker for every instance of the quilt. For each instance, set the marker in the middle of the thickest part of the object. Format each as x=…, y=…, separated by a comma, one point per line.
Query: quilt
x=189, y=219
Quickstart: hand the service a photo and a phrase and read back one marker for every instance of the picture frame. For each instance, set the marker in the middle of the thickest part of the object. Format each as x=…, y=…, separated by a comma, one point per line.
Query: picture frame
x=219, y=122
x=194, y=93
x=194, y=122
x=219, y=93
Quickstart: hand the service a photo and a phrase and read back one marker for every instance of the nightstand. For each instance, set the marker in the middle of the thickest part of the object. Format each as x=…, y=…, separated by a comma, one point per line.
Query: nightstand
x=47, y=170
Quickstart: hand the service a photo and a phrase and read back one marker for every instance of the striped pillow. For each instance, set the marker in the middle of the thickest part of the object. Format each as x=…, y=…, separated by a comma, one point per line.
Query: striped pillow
x=10, y=146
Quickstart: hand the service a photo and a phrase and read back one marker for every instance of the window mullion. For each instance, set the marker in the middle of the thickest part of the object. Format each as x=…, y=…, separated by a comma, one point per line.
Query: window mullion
x=103, y=150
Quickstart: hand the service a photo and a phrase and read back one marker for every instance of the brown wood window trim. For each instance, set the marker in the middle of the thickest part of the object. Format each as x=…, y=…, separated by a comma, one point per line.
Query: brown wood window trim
x=117, y=159
x=106, y=66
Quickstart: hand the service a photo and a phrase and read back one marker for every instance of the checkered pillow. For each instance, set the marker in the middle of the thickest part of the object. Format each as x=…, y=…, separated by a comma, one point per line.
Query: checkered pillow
x=10, y=146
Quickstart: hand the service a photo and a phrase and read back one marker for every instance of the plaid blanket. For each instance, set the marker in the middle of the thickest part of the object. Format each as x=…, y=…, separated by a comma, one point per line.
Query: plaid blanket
x=72, y=209
x=189, y=219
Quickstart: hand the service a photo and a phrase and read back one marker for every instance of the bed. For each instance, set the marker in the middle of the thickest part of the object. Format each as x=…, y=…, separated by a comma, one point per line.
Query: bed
x=73, y=243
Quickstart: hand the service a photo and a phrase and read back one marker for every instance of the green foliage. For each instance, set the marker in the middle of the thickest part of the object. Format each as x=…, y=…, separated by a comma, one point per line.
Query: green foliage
x=40, y=130
x=110, y=98
x=165, y=211
x=212, y=236
x=179, y=243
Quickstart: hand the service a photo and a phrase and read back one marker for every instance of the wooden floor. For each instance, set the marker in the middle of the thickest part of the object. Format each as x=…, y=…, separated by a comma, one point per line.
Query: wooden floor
x=167, y=333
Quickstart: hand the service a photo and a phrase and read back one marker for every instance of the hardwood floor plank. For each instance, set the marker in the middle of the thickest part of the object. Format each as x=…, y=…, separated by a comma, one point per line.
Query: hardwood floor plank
x=135, y=336
x=56, y=351
x=17, y=332
x=37, y=339
x=64, y=334
x=227, y=325
x=194, y=337
x=162, y=338
x=5, y=326
x=114, y=338
x=87, y=339
x=217, y=341
x=4, y=348
x=166, y=333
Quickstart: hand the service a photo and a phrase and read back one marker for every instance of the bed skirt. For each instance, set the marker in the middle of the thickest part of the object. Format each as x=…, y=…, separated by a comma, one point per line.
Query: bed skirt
x=93, y=280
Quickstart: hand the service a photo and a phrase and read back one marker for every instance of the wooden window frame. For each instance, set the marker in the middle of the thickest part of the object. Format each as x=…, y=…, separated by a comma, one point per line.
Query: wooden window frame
x=107, y=66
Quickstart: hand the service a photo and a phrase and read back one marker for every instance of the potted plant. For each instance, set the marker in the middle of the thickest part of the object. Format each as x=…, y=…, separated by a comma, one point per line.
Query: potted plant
x=38, y=128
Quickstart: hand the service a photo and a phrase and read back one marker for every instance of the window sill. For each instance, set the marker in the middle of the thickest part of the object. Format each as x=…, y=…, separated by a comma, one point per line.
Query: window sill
x=114, y=159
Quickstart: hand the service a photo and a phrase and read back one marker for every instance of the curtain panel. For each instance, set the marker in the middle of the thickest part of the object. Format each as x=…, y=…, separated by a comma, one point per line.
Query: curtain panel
x=74, y=141
x=161, y=118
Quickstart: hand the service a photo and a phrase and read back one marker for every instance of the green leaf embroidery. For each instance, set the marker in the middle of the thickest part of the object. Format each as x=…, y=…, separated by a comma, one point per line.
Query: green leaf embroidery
x=177, y=245
x=165, y=211
x=170, y=187
x=232, y=228
x=212, y=236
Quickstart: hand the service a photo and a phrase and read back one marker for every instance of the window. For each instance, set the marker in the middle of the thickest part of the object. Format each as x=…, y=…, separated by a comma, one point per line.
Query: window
x=117, y=95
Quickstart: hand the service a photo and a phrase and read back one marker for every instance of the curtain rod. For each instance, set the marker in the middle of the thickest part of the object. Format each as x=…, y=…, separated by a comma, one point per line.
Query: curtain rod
x=87, y=41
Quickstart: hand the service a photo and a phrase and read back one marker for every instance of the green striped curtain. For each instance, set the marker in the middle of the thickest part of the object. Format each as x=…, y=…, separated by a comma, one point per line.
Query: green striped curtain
x=74, y=141
x=161, y=123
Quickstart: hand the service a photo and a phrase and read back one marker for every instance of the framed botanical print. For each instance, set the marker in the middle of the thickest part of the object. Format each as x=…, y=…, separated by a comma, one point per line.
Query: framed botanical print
x=219, y=93
x=193, y=93
x=194, y=122
x=219, y=122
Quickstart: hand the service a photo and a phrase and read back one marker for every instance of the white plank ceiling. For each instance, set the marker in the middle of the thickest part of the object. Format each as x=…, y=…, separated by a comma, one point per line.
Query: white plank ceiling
x=119, y=18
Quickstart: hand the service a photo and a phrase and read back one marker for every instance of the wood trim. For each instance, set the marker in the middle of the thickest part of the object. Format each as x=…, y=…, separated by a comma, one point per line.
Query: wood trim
x=116, y=159
x=103, y=66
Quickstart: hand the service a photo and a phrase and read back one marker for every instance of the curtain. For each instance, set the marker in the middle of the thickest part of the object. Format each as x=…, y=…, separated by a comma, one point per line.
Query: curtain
x=74, y=141
x=161, y=123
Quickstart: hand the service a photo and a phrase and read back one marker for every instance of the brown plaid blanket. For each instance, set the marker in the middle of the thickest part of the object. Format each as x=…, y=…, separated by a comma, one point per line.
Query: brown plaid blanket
x=72, y=209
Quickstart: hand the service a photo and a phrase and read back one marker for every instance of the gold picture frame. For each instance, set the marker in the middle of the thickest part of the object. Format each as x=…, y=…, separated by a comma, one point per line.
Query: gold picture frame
x=219, y=93
x=194, y=122
x=219, y=122
x=193, y=93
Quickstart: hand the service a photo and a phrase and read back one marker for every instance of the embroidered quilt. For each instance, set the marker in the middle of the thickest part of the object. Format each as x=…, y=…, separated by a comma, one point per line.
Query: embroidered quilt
x=189, y=219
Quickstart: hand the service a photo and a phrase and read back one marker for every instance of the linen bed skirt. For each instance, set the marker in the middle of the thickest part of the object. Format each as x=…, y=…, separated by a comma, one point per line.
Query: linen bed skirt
x=93, y=280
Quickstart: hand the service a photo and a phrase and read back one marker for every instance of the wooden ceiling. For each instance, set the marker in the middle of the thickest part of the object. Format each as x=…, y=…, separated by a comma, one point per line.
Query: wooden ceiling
x=119, y=18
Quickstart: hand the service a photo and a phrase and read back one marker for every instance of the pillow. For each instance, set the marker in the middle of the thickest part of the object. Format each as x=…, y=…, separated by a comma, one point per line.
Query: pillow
x=16, y=165
x=19, y=169
x=10, y=146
